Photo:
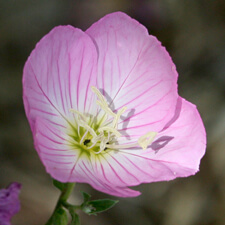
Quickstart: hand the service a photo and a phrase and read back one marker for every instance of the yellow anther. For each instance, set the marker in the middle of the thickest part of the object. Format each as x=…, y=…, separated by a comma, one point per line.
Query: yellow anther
x=146, y=139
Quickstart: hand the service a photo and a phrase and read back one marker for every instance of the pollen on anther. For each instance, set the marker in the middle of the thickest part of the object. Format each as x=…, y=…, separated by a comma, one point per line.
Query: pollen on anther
x=106, y=147
x=86, y=141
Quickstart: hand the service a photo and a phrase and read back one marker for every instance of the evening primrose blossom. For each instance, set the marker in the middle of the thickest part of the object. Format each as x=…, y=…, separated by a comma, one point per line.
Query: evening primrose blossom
x=103, y=108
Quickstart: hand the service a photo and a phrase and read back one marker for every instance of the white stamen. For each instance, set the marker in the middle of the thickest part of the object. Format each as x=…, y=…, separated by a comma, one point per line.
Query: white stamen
x=102, y=145
x=87, y=127
x=102, y=102
x=120, y=112
x=144, y=141
x=80, y=114
x=111, y=129
x=94, y=143
x=82, y=122
x=82, y=139
x=78, y=129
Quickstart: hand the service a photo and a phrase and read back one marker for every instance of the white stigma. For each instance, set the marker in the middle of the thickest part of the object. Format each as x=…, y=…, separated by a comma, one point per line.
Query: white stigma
x=105, y=135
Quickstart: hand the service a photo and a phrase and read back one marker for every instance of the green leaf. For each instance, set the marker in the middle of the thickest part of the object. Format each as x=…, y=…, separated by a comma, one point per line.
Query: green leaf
x=86, y=196
x=98, y=206
x=59, y=185
x=75, y=218
x=58, y=218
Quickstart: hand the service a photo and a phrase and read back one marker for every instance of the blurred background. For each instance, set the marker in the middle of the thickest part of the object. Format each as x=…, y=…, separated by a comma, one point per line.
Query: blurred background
x=193, y=32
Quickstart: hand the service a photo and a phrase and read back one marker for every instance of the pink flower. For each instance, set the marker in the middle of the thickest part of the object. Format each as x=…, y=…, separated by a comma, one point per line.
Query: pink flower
x=104, y=109
x=9, y=203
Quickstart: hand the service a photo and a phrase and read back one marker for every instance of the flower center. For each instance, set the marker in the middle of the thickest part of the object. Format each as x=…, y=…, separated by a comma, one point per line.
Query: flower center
x=103, y=134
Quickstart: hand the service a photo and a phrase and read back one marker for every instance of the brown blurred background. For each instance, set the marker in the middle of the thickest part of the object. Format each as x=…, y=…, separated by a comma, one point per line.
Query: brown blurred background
x=193, y=31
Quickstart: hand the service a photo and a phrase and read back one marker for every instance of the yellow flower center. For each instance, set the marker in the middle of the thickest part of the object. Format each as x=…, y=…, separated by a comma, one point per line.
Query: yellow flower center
x=103, y=135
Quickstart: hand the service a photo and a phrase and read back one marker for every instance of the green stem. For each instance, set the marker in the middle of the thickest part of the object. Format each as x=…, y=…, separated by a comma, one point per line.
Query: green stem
x=68, y=188
x=66, y=192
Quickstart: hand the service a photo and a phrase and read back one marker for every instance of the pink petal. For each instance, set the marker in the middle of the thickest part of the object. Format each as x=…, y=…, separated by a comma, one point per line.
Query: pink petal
x=176, y=152
x=58, y=75
x=187, y=141
x=135, y=71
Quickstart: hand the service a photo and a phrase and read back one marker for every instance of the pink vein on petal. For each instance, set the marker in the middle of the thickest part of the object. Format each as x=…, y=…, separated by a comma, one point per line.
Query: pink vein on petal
x=128, y=75
x=55, y=134
x=115, y=172
x=47, y=96
x=60, y=86
x=137, y=166
x=124, y=168
x=67, y=99
x=135, y=80
x=103, y=73
x=55, y=149
x=69, y=82
x=31, y=88
x=151, y=159
x=143, y=125
x=78, y=82
x=138, y=96
x=87, y=174
x=87, y=89
x=94, y=180
x=38, y=100
x=73, y=168
x=51, y=139
x=61, y=155
x=103, y=171
x=38, y=109
x=147, y=107
x=50, y=160
x=57, y=124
